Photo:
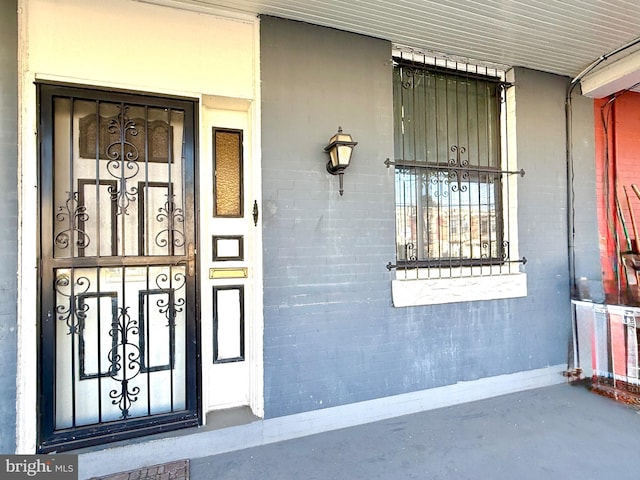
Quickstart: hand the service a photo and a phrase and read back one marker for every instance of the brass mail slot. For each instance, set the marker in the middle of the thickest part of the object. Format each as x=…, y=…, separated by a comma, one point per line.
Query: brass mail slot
x=228, y=272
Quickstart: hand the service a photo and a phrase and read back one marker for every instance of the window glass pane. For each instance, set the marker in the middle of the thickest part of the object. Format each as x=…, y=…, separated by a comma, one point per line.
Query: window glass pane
x=228, y=173
x=449, y=209
x=406, y=214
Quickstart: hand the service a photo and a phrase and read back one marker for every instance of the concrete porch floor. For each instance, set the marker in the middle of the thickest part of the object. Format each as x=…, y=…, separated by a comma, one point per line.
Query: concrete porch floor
x=558, y=432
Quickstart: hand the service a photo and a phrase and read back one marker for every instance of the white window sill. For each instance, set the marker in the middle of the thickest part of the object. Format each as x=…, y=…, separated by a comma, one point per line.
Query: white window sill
x=414, y=292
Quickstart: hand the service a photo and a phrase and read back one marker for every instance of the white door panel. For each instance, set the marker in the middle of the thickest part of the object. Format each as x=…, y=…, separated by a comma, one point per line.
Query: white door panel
x=226, y=263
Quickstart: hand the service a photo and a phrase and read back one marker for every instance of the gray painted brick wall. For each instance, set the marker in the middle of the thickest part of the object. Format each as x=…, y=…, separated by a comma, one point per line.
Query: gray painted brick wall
x=586, y=241
x=331, y=333
x=9, y=221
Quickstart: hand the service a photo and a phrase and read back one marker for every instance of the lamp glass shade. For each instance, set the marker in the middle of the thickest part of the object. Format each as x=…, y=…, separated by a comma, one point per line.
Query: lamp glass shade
x=339, y=149
x=340, y=156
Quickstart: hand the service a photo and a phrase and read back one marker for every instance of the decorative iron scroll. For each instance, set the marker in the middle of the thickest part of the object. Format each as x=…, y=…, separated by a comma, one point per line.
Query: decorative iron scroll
x=75, y=215
x=122, y=156
x=125, y=358
x=486, y=247
x=410, y=249
x=458, y=176
x=440, y=181
x=67, y=308
x=410, y=73
x=170, y=213
x=174, y=282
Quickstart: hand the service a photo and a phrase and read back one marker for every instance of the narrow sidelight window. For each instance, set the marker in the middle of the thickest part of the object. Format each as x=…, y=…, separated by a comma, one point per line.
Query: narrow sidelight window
x=227, y=184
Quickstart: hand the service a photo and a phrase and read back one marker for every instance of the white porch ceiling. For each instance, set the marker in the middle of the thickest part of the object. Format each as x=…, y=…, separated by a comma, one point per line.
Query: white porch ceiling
x=557, y=36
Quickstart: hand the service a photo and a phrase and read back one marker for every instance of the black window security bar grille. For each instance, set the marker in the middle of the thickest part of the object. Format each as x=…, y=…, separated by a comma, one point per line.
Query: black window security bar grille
x=452, y=181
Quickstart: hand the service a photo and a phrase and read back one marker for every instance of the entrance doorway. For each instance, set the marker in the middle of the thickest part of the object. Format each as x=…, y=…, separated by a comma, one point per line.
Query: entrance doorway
x=119, y=341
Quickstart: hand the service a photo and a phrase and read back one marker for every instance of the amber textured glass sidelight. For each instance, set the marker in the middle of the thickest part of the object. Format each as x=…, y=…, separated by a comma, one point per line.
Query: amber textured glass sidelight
x=228, y=173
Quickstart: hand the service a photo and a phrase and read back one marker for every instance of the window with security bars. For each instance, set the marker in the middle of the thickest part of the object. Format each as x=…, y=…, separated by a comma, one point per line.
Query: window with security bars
x=451, y=181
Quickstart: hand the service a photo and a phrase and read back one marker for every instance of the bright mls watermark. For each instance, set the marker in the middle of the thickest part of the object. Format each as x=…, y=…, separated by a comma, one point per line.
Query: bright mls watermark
x=50, y=467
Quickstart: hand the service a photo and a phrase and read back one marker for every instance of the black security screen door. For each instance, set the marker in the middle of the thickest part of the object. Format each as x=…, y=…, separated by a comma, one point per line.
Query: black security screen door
x=118, y=344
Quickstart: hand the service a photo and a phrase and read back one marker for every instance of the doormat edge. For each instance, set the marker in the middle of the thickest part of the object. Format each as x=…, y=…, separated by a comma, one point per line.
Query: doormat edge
x=176, y=470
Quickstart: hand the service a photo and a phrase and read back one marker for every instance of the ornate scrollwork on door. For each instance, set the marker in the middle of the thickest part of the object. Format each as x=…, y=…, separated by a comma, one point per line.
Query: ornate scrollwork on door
x=122, y=156
x=74, y=215
x=67, y=308
x=125, y=358
x=175, y=282
x=171, y=236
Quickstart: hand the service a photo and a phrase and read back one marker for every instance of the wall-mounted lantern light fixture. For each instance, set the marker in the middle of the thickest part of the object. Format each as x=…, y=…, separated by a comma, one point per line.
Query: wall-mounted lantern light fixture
x=339, y=150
